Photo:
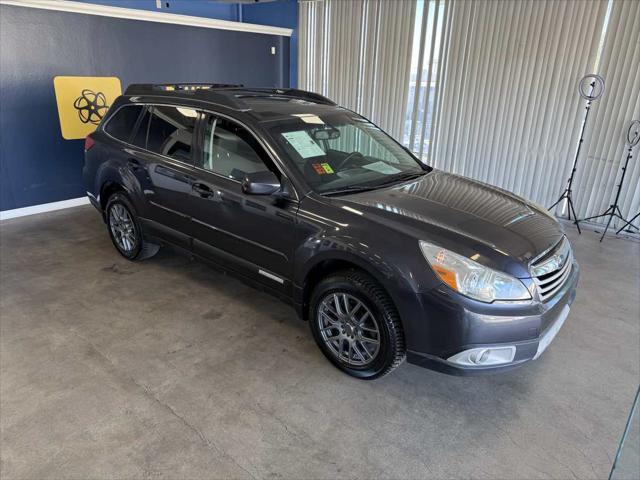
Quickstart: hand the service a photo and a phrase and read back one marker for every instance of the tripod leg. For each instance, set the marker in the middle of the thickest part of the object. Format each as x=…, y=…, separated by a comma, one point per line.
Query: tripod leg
x=557, y=202
x=595, y=216
x=629, y=223
x=571, y=209
x=607, y=227
x=604, y=214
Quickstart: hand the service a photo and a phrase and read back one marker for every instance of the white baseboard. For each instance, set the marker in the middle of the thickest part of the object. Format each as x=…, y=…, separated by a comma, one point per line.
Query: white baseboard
x=45, y=207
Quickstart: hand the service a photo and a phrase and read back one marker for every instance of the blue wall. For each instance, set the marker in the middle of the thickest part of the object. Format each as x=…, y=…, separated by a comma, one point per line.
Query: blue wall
x=37, y=165
x=277, y=14
x=280, y=13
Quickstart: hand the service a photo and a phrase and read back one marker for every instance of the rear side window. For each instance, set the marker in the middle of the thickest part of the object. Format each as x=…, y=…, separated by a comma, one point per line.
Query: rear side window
x=123, y=122
x=171, y=132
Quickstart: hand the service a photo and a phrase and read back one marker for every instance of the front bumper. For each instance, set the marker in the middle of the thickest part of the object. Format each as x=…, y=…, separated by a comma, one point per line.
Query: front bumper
x=456, y=324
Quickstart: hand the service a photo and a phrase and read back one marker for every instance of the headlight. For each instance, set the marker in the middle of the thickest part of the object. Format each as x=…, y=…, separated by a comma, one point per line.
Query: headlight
x=472, y=279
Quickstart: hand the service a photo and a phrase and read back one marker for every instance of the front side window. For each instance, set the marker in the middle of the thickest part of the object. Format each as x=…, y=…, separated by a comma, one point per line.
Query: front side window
x=341, y=151
x=123, y=122
x=231, y=151
x=170, y=132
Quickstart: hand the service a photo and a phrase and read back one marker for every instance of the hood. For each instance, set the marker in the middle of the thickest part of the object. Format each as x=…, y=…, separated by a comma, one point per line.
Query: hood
x=495, y=227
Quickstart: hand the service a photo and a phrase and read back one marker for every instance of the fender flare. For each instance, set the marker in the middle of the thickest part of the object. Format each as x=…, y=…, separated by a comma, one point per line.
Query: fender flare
x=112, y=174
x=386, y=275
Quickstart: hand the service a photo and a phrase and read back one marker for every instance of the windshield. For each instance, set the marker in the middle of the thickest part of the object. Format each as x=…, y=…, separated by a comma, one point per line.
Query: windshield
x=342, y=151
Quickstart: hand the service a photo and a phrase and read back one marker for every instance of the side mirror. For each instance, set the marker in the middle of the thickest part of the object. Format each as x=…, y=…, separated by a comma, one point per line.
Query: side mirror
x=260, y=183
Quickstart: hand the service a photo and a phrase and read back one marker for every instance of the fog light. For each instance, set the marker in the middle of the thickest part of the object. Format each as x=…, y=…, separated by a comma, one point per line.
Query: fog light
x=485, y=356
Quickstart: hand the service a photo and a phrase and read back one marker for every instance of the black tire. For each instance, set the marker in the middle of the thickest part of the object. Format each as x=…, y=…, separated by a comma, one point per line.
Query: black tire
x=360, y=287
x=140, y=248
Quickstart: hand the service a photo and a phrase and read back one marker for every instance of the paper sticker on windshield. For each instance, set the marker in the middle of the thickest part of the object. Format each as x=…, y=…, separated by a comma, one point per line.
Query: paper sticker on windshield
x=327, y=167
x=309, y=118
x=381, y=167
x=322, y=168
x=303, y=143
x=318, y=168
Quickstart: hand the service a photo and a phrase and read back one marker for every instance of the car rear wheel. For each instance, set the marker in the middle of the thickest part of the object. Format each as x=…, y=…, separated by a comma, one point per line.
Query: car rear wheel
x=356, y=325
x=125, y=231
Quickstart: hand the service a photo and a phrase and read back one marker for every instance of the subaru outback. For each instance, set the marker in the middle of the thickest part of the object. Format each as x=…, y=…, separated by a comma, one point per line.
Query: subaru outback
x=386, y=257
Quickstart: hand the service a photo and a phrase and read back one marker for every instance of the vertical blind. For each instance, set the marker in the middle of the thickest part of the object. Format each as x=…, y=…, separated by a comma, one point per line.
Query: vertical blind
x=426, y=70
x=510, y=113
x=488, y=89
x=605, y=149
x=358, y=53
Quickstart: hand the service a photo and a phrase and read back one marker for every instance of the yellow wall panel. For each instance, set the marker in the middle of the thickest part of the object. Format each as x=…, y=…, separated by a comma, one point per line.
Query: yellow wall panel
x=83, y=102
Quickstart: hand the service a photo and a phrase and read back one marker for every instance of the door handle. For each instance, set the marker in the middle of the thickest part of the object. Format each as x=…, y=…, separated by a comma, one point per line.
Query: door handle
x=202, y=190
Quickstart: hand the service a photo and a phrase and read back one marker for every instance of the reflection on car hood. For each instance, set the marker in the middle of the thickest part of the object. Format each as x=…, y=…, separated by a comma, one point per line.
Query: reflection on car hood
x=453, y=210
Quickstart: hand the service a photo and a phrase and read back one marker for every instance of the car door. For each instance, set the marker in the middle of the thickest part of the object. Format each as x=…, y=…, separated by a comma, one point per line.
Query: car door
x=252, y=234
x=168, y=136
x=125, y=157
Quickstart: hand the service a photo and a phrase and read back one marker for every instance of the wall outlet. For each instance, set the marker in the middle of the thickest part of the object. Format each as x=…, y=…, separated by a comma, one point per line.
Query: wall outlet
x=273, y=50
x=158, y=3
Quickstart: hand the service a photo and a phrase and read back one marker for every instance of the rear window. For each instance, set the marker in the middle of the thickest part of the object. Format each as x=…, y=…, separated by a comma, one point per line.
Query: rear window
x=123, y=122
x=170, y=132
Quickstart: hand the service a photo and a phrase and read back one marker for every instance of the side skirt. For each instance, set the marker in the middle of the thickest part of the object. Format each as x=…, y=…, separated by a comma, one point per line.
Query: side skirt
x=163, y=240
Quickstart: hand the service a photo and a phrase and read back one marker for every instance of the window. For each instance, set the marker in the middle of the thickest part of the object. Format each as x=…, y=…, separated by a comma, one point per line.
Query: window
x=425, y=70
x=123, y=122
x=171, y=132
x=342, y=150
x=140, y=138
x=364, y=137
x=231, y=151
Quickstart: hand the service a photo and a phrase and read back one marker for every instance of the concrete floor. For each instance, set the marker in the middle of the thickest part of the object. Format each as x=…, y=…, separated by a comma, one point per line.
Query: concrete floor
x=168, y=369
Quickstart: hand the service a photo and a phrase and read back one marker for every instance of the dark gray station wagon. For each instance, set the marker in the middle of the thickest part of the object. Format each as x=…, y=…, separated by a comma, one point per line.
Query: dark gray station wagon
x=385, y=257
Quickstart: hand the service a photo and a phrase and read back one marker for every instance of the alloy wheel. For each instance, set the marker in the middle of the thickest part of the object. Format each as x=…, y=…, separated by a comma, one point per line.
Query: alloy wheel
x=348, y=328
x=122, y=227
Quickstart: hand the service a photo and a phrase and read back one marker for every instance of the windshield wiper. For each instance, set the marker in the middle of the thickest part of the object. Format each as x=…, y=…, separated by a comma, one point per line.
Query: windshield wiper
x=399, y=177
x=349, y=189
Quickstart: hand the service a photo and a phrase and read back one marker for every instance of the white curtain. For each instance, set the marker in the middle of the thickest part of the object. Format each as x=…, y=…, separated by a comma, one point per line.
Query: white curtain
x=488, y=88
x=605, y=150
x=510, y=113
x=358, y=53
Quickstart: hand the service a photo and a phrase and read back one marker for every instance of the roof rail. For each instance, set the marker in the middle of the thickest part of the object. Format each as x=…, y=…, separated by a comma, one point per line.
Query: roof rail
x=289, y=92
x=226, y=94
x=155, y=88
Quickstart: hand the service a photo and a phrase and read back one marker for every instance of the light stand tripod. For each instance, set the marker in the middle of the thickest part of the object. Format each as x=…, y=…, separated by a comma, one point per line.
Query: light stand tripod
x=630, y=223
x=633, y=137
x=596, y=82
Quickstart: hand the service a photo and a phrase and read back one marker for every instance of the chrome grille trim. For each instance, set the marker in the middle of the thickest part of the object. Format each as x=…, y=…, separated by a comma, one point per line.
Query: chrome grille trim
x=550, y=283
x=555, y=275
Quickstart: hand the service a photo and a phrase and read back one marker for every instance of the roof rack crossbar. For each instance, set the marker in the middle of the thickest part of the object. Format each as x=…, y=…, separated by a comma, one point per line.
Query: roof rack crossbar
x=154, y=88
x=209, y=92
x=222, y=92
x=294, y=93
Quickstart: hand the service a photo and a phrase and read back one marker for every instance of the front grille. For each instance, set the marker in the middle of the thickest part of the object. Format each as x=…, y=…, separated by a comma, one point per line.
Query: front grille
x=552, y=270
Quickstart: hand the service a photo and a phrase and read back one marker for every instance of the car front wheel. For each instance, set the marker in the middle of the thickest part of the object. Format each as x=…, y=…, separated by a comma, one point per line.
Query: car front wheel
x=356, y=325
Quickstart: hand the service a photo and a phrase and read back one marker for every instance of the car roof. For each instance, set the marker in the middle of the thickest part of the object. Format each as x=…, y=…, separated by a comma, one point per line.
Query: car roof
x=271, y=108
x=263, y=104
